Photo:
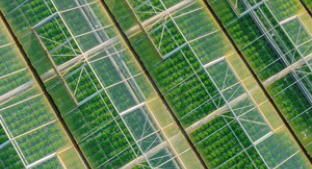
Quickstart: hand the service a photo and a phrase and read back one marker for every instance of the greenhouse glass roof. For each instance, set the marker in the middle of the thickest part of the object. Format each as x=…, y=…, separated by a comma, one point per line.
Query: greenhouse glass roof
x=155, y=84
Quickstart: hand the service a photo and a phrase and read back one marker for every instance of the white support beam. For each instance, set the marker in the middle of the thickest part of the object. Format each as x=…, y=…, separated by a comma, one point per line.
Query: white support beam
x=40, y=161
x=5, y=144
x=250, y=9
x=214, y=62
x=287, y=70
x=287, y=20
x=263, y=138
x=45, y=20
x=12, y=73
x=15, y=91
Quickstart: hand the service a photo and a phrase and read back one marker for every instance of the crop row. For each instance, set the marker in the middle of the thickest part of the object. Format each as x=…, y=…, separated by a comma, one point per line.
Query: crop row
x=204, y=37
x=296, y=31
x=27, y=14
x=189, y=25
x=217, y=47
x=249, y=39
x=5, y=39
x=260, y=53
x=87, y=77
x=14, y=81
x=102, y=146
x=122, y=96
x=9, y=64
x=3, y=137
x=191, y=101
x=104, y=139
x=306, y=78
x=192, y=94
x=166, y=37
x=172, y=71
x=188, y=88
x=291, y=106
x=238, y=6
x=295, y=162
x=163, y=159
x=9, y=157
x=140, y=123
x=57, y=40
x=90, y=18
x=92, y=124
x=283, y=9
x=147, y=8
x=82, y=82
x=51, y=137
x=277, y=148
x=296, y=109
x=104, y=66
x=225, y=145
x=250, y=118
x=178, y=62
x=27, y=115
x=182, y=86
x=89, y=117
x=186, y=92
x=51, y=163
x=222, y=142
x=280, y=36
x=95, y=124
x=260, y=44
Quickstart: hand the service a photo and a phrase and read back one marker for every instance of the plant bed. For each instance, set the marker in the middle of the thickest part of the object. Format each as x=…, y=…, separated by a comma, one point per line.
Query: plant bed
x=10, y=63
x=247, y=37
x=147, y=9
x=219, y=142
x=9, y=157
x=51, y=137
x=296, y=109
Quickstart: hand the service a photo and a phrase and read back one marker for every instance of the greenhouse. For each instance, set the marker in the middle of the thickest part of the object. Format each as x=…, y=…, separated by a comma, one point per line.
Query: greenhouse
x=155, y=84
